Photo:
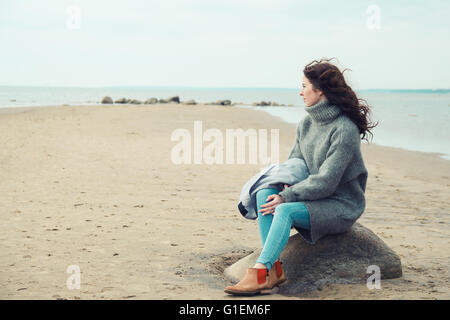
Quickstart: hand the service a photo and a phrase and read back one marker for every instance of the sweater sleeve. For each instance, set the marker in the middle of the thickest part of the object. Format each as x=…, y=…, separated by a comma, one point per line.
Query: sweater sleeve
x=325, y=182
x=296, y=152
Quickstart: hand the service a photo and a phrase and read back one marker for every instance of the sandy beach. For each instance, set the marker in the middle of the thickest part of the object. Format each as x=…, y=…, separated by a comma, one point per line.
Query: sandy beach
x=95, y=187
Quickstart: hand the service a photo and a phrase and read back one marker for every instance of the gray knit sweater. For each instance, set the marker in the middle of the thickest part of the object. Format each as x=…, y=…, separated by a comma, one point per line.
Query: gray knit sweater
x=329, y=142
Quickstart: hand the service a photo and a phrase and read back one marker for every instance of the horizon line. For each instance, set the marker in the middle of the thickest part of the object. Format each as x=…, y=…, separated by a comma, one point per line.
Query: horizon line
x=200, y=87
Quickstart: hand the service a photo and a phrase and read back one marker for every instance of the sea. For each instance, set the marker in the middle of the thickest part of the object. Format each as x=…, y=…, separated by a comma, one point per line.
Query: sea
x=417, y=120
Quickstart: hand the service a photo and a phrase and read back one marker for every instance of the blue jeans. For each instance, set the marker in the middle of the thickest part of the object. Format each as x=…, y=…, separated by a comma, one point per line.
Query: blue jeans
x=275, y=228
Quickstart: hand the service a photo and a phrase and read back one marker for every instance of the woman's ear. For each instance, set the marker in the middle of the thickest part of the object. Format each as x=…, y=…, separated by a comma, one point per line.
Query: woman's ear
x=318, y=91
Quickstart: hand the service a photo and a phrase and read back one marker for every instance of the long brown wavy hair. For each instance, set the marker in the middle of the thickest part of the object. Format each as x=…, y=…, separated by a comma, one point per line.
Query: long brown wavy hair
x=330, y=80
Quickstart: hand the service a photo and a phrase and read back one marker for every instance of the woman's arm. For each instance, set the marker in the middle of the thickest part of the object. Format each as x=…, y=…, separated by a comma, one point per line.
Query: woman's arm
x=343, y=144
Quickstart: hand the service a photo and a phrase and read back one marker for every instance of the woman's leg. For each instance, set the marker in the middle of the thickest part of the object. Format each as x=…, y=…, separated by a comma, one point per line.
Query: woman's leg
x=264, y=222
x=285, y=215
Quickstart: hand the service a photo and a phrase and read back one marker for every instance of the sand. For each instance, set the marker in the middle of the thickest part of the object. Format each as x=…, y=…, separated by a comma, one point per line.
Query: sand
x=95, y=187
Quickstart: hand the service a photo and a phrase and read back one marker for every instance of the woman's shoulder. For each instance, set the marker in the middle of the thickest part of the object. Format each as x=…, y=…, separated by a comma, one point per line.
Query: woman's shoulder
x=344, y=123
x=344, y=127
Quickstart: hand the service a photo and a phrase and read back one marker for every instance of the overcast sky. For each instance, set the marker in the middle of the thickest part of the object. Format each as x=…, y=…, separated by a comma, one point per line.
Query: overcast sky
x=222, y=43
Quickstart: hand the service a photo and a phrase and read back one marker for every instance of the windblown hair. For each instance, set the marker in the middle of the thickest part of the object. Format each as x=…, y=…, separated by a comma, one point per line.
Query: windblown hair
x=330, y=80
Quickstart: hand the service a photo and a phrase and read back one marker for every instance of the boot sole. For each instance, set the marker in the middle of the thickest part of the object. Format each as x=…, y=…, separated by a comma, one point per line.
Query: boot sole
x=253, y=293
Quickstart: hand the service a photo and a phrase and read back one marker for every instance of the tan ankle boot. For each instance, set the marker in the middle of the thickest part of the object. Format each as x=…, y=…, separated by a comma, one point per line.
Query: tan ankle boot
x=276, y=274
x=254, y=282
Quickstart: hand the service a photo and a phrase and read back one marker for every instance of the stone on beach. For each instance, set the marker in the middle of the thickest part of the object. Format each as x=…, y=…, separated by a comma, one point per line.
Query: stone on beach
x=121, y=100
x=265, y=103
x=221, y=103
x=262, y=103
x=189, y=102
x=107, y=100
x=151, y=101
x=175, y=99
x=268, y=103
x=334, y=259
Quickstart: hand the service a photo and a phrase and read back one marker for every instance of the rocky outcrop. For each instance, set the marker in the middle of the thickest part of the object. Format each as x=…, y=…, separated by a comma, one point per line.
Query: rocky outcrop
x=262, y=103
x=343, y=258
x=176, y=99
x=267, y=103
x=221, y=103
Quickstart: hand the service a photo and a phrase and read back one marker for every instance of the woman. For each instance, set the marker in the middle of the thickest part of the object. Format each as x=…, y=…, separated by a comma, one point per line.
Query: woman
x=331, y=198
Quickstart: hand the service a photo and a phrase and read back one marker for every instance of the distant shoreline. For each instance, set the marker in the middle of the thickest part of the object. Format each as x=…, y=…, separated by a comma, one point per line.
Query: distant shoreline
x=384, y=90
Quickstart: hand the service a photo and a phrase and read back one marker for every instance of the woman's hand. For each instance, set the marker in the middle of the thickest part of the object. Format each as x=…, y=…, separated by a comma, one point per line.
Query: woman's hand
x=269, y=208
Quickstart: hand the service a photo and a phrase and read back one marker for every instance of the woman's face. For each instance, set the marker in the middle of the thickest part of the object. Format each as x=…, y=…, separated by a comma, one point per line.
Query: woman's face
x=310, y=94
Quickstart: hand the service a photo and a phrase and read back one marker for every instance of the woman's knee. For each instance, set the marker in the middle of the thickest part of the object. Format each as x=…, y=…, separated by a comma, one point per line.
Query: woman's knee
x=296, y=212
x=282, y=210
x=268, y=191
x=261, y=195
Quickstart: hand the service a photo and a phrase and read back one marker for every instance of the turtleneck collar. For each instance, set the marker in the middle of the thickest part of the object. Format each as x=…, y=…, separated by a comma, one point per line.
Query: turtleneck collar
x=323, y=112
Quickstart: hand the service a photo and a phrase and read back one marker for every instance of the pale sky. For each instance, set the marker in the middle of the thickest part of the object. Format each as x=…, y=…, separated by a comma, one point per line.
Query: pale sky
x=222, y=43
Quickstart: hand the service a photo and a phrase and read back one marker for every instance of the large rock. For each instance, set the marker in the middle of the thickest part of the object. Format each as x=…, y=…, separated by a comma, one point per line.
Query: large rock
x=175, y=99
x=107, y=100
x=342, y=258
